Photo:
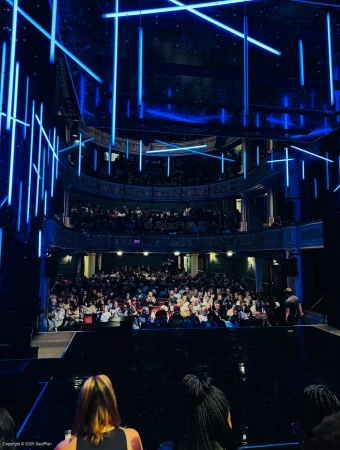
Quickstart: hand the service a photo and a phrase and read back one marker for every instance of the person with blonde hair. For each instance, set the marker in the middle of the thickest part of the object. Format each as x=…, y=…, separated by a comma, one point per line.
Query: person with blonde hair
x=97, y=422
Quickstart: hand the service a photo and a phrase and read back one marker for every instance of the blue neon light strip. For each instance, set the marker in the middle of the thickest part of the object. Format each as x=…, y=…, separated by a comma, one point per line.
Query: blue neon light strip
x=245, y=73
x=46, y=137
x=327, y=173
x=140, y=72
x=114, y=79
x=316, y=3
x=2, y=76
x=257, y=120
x=26, y=103
x=337, y=188
x=223, y=116
x=3, y=201
x=258, y=155
x=32, y=410
x=128, y=108
x=330, y=58
x=279, y=160
x=39, y=244
x=287, y=168
x=109, y=162
x=168, y=166
x=53, y=30
x=73, y=146
x=82, y=94
x=12, y=64
x=45, y=204
x=53, y=162
x=339, y=168
x=36, y=170
x=21, y=122
x=140, y=154
x=39, y=158
x=43, y=174
x=127, y=148
x=310, y=153
x=57, y=160
x=222, y=163
x=227, y=28
x=58, y=44
x=79, y=155
x=19, y=208
x=303, y=169
x=95, y=160
x=188, y=149
x=12, y=157
x=144, y=12
x=302, y=67
x=30, y=166
x=270, y=445
x=244, y=163
x=271, y=159
x=315, y=188
x=0, y=245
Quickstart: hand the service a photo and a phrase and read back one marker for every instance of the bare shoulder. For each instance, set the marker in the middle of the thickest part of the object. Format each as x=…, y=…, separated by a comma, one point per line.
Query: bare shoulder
x=133, y=439
x=67, y=444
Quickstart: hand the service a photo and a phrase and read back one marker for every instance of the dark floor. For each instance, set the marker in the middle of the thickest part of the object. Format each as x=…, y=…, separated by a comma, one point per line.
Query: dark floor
x=278, y=363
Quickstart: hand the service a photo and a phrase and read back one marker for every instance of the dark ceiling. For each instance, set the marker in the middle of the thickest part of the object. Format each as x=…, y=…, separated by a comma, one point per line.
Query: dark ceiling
x=193, y=70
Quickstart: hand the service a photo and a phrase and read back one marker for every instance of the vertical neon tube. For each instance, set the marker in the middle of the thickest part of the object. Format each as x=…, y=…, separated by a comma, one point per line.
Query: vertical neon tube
x=285, y=116
x=43, y=174
x=79, y=155
x=330, y=58
x=2, y=77
x=109, y=161
x=19, y=209
x=0, y=245
x=271, y=157
x=287, y=168
x=53, y=30
x=257, y=155
x=257, y=120
x=222, y=163
x=57, y=160
x=128, y=108
x=302, y=67
x=26, y=105
x=39, y=161
x=54, y=160
x=140, y=72
x=95, y=160
x=327, y=172
x=303, y=169
x=97, y=96
x=14, y=127
x=244, y=163
x=302, y=118
x=114, y=79
x=169, y=96
x=222, y=116
x=82, y=94
x=45, y=204
x=339, y=169
x=315, y=188
x=12, y=64
x=39, y=244
x=30, y=165
x=127, y=148
x=168, y=167
x=140, y=154
x=245, y=74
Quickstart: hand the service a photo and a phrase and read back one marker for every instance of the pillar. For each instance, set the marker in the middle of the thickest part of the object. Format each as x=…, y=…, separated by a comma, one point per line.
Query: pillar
x=270, y=207
x=99, y=261
x=89, y=265
x=258, y=274
x=243, y=148
x=243, y=224
x=194, y=264
x=295, y=283
x=66, y=208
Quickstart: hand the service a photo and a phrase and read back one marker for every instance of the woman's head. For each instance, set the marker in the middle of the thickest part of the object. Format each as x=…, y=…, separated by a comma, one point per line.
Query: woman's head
x=208, y=421
x=97, y=409
x=7, y=428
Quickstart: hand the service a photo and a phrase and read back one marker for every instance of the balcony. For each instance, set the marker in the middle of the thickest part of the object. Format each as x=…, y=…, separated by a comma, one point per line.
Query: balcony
x=304, y=236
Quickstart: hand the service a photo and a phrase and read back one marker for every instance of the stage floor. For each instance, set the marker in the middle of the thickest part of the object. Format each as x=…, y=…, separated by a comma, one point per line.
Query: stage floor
x=278, y=363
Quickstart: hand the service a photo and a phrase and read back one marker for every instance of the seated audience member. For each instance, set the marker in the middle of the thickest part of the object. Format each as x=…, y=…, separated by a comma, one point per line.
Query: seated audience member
x=105, y=315
x=91, y=309
x=192, y=318
x=140, y=296
x=231, y=311
x=203, y=317
x=176, y=320
x=206, y=423
x=176, y=293
x=172, y=299
x=150, y=300
x=245, y=316
x=97, y=420
x=144, y=317
x=326, y=436
x=293, y=308
x=259, y=313
x=116, y=310
x=185, y=307
x=58, y=317
x=162, y=313
x=7, y=430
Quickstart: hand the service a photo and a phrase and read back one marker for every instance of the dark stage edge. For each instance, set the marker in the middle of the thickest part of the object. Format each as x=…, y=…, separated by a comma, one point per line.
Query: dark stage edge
x=279, y=363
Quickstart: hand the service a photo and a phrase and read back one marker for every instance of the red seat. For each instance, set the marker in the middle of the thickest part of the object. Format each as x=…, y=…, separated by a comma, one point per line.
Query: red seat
x=88, y=318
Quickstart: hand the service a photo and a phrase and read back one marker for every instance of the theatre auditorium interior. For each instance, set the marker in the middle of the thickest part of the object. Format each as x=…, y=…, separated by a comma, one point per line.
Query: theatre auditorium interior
x=169, y=224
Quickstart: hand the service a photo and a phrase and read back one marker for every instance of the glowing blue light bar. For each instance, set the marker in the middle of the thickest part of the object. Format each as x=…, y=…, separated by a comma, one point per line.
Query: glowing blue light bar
x=39, y=244
x=302, y=118
x=58, y=44
x=222, y=116
x=39, y=160
x=46, y=137
x=95, y=160
x=12, y=156
x=114, y=79
x=315, y=188
x=3, y=201
x=140, y=72
x=222, y=163
x=258, y=155
x=339, y=168
x=36, y=170
x=188, y=149
x=327, y=173
x=330, y=58
x=53, y=162
x=127, y=148
x=287, y=168
x=244, y=163
x=109, y=161
x=128, y=108
x=45, y=204
x=21, y=122
x=57, y=160
x=79, y=155
x=30, y=166
x=168, y=166
x=53, y=30
x=271, y=159
x=19, y=208
x=279, y=160
x=337, y=188
x=43, y=174
x=12, y=64
x=97, y=96
x=169, y=96
x=226, y=28
x=257, y=120
x=140, y=154
x=310, y=153
x=303, y=169
x=82, y=94
x=144, y=12
x=75, y=145
x=302, y=67
x=245, y=73
x=176, y=149
x=3, y=74
x=316, y=3
x=0, y=245
x=26, y=103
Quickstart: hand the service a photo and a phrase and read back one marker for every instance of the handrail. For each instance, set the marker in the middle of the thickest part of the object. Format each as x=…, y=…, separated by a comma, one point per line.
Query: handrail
x=316, y=303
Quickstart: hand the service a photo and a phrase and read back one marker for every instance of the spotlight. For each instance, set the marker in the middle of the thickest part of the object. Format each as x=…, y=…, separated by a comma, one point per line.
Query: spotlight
x=177, y=253
x=230, y=253
x=145, y=253
x=119, y=253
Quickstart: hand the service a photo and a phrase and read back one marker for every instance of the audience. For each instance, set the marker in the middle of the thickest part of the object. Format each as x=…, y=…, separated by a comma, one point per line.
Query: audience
x=7, y=429
x=97, y=422
x=326, y=436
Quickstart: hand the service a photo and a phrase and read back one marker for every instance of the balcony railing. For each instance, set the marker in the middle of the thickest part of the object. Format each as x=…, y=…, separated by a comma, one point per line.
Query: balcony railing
x=302, y=236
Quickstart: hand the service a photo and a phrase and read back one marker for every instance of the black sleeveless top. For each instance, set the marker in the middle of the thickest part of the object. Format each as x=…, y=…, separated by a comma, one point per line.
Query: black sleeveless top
x=113, y=440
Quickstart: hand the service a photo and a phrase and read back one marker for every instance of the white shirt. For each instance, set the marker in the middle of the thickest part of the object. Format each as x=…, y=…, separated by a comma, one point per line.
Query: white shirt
x=105, y=316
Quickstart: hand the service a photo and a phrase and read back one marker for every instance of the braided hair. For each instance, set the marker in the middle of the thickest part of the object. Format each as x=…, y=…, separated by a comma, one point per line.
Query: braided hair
x=206, y=426
x=318, y=402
